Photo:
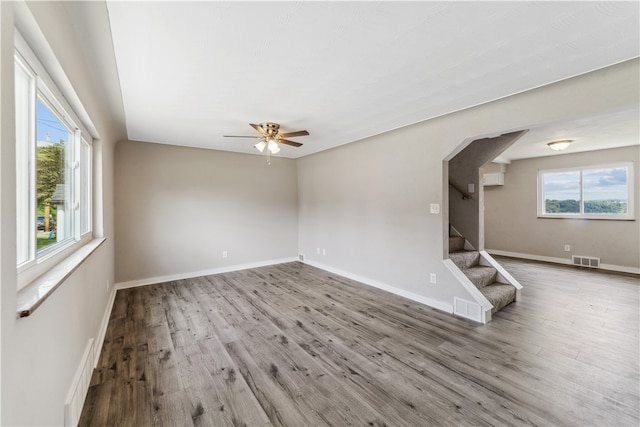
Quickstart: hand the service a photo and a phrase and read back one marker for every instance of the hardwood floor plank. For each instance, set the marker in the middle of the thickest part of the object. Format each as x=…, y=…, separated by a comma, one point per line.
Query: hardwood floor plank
x=277, y=402
x=294, y=345
x=96, y=406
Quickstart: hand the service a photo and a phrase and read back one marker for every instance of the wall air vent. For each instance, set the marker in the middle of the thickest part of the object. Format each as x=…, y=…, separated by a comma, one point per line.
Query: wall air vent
x=585, y=261
x=300, y=257
x=467, y=309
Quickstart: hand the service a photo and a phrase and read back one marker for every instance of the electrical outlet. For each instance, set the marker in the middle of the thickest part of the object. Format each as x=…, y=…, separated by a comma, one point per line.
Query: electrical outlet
x=224, y=254
x=567, y=248
x=318, y=251
x=324, y=251
x=435, y=208
x=432, y=278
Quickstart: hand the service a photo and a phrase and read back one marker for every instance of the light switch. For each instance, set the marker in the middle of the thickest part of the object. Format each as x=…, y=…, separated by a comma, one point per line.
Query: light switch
x=435, y=208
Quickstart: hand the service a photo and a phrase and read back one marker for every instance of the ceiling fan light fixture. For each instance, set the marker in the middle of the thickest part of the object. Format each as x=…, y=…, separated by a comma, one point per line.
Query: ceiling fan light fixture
x=273, y=146
x=260, y=146
x=271, y=138
x=560, y=145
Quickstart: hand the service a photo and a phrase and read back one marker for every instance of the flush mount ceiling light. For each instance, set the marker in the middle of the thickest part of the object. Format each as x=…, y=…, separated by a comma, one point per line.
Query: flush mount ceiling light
x=560, y=145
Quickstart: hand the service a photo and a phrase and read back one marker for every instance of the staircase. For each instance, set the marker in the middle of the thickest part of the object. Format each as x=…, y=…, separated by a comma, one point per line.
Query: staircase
x=483, y=277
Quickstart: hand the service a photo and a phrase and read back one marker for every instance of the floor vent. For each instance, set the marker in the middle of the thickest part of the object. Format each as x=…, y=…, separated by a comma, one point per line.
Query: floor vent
x=585, y=261
x=300, y=257
x=79, y=387
x=467, y=309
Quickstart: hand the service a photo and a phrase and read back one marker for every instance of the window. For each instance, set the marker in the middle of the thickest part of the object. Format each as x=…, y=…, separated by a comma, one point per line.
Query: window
x=595, y=192
x=53, y=168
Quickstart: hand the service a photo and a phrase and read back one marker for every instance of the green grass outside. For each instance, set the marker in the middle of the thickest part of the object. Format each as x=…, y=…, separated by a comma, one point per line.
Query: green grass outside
x=43, y=240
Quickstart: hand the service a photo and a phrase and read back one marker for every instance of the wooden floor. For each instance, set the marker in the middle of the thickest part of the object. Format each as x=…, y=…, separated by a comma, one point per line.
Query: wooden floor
x=293, y=345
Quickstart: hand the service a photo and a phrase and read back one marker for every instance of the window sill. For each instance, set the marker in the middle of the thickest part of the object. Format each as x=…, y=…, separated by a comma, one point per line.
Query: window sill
x=600, y=217
x=33, y=295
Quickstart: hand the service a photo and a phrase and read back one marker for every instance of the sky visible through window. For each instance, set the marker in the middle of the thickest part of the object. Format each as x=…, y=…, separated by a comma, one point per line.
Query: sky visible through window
x=49, y=125
x=598, y=184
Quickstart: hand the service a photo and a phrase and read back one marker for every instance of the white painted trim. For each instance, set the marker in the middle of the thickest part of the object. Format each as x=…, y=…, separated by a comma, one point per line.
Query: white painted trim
x=79, y=386
x=102, y=332
x=566, y=261
x=189, y=275
x=94, y=357
x=484, y=256
x=439, y=305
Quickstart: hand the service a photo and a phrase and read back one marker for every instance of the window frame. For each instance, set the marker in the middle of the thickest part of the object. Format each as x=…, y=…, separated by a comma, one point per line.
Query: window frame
x=629, y=216
x=42, y=87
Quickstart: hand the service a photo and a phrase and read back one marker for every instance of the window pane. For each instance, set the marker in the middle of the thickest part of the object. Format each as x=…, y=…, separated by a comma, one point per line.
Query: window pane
x=605, y=191
x=561, y=192
x=53, y=192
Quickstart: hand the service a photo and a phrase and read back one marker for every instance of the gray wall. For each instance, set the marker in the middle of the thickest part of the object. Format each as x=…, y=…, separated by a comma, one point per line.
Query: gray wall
x=178, y=208
x=464, y=169
x=40, y=353
x=367, y=203
x=511, y=222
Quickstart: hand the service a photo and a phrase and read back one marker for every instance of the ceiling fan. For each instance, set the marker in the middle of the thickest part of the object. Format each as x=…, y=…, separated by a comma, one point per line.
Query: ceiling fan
x=270, y=137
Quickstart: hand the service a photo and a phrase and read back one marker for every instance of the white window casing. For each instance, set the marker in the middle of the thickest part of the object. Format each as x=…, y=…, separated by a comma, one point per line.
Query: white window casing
x=74, y=228
x=580, y=192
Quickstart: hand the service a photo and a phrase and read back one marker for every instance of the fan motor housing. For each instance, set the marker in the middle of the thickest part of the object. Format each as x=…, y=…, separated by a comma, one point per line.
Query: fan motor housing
x=271, y=129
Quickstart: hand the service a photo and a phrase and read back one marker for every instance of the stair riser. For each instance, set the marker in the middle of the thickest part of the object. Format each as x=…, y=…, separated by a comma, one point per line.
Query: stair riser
x=499, y=295
x=465, y=259
x=456, y=243
x=481, y=277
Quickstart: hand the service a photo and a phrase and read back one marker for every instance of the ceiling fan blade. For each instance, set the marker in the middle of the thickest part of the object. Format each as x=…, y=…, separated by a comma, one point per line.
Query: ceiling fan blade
x=258, y=128
x=240, y=136
x=291, y=143
x=292, y=134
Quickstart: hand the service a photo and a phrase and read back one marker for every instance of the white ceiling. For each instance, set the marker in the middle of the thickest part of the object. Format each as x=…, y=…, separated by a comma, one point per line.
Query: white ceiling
x=191, y=72
x=617, y=129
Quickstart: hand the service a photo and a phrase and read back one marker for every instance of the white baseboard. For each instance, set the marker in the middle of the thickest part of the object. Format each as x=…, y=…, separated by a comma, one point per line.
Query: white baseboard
x=189, y=275
x=442, y=306
x=566, y=261
x=79, y=387
x=104, y=324
x=80, y=384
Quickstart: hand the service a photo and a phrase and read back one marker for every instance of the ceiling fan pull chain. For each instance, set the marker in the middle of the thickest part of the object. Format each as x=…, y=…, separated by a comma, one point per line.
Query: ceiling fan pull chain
x=269, y=157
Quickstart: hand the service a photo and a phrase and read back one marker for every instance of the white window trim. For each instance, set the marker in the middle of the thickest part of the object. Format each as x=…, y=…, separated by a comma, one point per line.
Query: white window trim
x=88, y=197
x=44, y=260
x=629, y=216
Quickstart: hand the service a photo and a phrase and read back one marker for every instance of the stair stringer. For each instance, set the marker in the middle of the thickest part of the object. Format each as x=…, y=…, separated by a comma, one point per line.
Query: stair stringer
x=503, y=275
x=480, y=299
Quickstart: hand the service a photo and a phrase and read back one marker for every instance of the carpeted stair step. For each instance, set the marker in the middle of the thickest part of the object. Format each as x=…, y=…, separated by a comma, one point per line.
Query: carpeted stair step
x=456, y=243
x=499, y=295
x=465, y=259
x=481, y=275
